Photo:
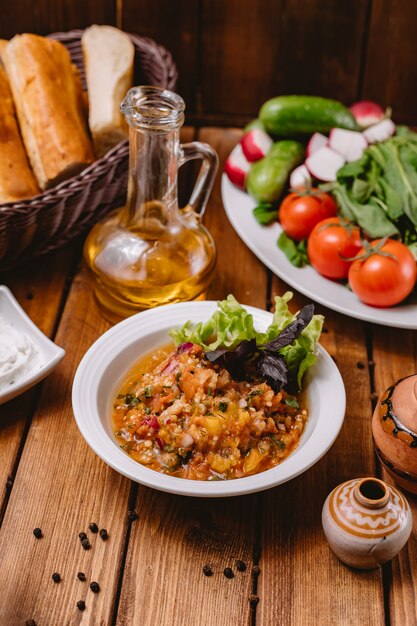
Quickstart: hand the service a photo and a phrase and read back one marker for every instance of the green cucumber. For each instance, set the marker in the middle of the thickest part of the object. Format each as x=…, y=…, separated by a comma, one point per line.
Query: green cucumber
x=268, y=177
x=304, y=115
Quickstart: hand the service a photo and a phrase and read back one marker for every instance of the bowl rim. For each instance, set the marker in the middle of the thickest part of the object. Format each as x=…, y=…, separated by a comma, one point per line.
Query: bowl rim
x=100, y=356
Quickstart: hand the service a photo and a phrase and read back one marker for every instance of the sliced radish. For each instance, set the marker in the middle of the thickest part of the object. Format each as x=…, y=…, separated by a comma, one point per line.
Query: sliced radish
x=324, y=164
x=380, y=132
x=255, y=144
x=300, y=178
x=367, y=113
x=316, y=142
x=349, y=143
x=237, y=167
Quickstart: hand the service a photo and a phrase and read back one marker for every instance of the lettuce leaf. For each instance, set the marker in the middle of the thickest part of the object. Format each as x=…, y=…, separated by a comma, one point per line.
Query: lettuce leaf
x=231, y=324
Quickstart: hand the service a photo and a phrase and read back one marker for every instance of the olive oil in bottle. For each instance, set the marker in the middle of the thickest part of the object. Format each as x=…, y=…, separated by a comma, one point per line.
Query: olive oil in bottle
x=150, y=252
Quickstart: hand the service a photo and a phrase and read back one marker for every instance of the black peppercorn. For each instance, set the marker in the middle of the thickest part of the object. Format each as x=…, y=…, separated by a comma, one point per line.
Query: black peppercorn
x=207, y=571
x=360, y=365
x=132, y=516
x=38, y=533
x=82, y=536
x=81, y=576
x=86, y=544
x=56, y=577
x=93, y=527
x=256, y=570
x=103, y=534
x=228, y=572
x=95, y=587
x=241, y=566
x=81, y=605
x=253, y=599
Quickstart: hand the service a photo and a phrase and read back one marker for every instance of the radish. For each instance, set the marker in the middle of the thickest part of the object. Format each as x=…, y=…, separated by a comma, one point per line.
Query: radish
x=380, y=131
x=237, y=167
x=349, y=143
x=300, y=178
x=255, y=144
x=367, y=113
x=324, y=164
x=316, y=142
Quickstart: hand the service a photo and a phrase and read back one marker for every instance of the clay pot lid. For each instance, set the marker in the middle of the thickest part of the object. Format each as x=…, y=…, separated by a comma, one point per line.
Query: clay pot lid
x=404, y=402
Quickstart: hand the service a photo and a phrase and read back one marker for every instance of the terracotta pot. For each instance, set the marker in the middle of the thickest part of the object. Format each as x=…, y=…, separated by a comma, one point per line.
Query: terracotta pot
x=394, y=428
x=366, y=522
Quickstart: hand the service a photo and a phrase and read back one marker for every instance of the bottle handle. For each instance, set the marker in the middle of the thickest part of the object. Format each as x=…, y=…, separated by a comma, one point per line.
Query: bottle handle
x=206, y=175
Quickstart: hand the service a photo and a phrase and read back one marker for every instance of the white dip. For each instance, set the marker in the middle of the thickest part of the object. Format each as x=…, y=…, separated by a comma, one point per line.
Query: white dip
x=18, y=355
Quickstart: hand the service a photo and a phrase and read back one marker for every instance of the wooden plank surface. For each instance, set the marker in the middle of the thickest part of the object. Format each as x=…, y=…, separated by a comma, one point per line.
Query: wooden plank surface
x=49, y=16
x=175, y=537
x=395, y=356
x=256, y=50
x=175, y=25
x=61, y=486
x=40, y=289
x=391, y=71
x=301, y=581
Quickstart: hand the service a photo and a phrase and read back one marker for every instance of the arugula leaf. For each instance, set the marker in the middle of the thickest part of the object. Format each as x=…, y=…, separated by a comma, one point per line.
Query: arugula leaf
x=296, y=252
x=265, y=213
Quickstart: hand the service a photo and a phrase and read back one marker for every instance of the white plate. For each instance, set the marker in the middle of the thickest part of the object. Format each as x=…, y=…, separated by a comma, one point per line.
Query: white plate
x=105, y=365
x=49, y=354
x=262, y=240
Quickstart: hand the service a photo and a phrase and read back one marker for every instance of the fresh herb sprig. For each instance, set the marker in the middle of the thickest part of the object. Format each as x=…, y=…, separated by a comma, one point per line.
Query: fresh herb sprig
x=265, y=358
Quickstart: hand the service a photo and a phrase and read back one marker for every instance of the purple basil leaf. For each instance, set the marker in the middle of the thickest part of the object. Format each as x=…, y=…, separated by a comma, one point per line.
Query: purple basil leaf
x=228, y=358
x=275, y=370
x=291, y=332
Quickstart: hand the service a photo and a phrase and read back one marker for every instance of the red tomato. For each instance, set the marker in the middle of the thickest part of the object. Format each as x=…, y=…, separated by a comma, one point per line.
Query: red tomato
x=381, y=280
x=330, y=243
x=299, y=214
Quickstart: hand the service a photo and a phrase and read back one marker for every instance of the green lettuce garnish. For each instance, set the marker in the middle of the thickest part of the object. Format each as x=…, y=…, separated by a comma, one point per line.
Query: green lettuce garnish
x=231, y=324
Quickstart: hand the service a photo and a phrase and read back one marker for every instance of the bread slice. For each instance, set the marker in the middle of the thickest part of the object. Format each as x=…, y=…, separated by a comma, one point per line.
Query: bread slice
x=47, y=92
x=16, y=178
x=108, y=59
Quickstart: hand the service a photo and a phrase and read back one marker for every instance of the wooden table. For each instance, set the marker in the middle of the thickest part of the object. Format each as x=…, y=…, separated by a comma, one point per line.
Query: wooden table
x=150, y=570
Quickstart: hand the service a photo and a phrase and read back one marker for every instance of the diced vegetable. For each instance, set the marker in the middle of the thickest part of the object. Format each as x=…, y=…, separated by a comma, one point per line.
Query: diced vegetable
x=324, y=164
x=237, y=167
x=255, y=144
x=316, y=142
x=379, y=132
x=252, y=460
x=367, y=113
x=300, y=178
x=349, y=143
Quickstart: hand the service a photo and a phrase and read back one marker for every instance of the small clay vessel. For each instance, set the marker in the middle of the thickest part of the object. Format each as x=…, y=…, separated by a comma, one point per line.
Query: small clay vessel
x=394, y=428
x=366, y=522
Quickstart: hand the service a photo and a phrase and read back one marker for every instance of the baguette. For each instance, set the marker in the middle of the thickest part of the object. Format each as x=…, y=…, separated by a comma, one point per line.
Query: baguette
x=48, y=96
x=16, y=178
x=108, y=59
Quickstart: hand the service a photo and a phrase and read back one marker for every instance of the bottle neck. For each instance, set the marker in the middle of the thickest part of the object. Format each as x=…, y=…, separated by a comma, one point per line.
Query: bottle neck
x=152, y=187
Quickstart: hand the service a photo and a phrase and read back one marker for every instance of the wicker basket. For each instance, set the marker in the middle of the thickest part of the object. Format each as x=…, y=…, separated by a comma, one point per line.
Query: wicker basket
x=35, y=226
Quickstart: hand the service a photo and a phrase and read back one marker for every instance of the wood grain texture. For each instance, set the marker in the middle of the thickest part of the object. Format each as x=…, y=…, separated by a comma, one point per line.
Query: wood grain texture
x=175, y=536
x=395, y=356
x=176, y=26
x=256, y=50
x=48, y=16
x=39, y=288
x=61, y=486
x=391, y=71
x=301, y=579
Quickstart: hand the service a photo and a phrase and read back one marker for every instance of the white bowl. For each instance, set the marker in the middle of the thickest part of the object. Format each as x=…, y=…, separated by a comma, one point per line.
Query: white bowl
x=105, y=365
x=49, y=354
